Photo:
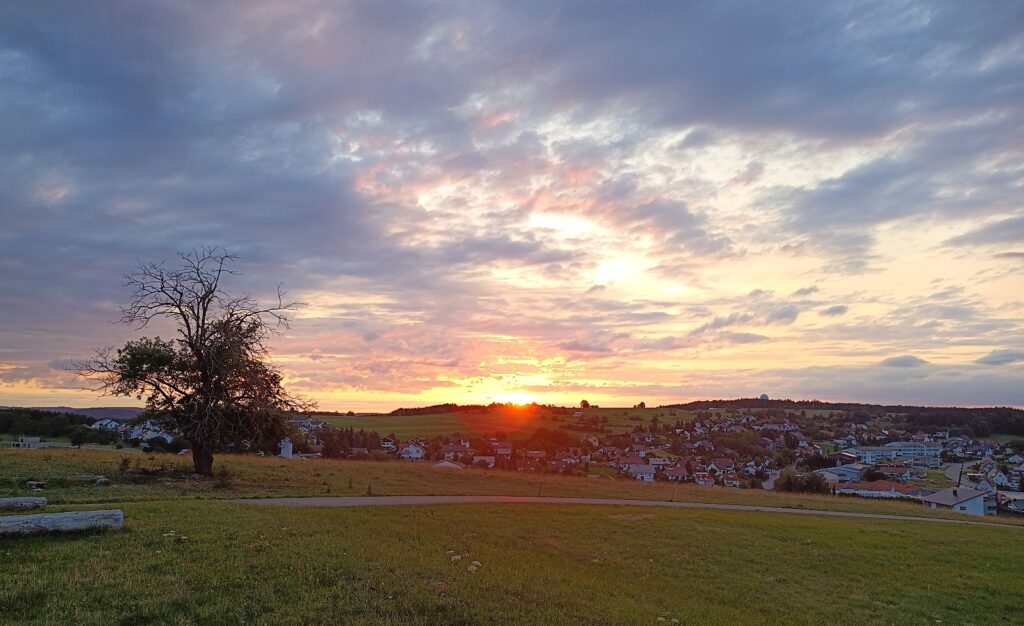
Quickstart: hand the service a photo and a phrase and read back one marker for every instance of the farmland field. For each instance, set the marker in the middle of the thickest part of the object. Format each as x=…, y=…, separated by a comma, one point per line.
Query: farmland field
x=221, y=562
x=516, y=422
x=191, y=555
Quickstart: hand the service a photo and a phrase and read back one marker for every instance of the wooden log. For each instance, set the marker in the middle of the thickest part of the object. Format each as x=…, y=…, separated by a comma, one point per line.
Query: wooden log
x=61, y=522
x=22, y=504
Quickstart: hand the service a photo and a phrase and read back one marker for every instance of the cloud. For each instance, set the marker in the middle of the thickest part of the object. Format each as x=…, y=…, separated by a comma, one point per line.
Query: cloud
x=835, y=310
x=1002, y=357
x=440, y=181
x=1003, y=231
x=806, y=291
x=745, y=337
x=907, y=360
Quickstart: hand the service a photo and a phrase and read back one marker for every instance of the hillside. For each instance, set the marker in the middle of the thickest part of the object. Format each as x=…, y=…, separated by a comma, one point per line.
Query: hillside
x=188, y=560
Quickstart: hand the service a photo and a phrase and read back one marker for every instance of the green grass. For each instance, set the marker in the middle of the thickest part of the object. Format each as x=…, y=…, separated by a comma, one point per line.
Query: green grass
x=229, y=563
x=538, y=565
x=936, y=480
x=166, y=476
x=1001, y=438
x=517, y=423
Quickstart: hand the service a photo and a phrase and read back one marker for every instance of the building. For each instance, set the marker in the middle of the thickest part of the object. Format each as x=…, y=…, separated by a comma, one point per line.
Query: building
x=960, y=499
x=644, y=473
x=106, y=424
x=412, y=452
x=880, y=489
x=30, y=442
x=703, y=479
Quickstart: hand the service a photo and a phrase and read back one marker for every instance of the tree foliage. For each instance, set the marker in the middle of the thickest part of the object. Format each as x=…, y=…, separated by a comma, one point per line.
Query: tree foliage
x=213, y=382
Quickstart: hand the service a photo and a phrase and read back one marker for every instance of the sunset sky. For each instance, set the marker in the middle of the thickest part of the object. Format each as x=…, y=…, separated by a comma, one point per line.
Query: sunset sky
x=551, y=201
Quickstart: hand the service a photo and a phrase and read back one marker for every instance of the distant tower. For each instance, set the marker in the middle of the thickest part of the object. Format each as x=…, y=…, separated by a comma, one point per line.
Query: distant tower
x=764, y=396
x=286, y=448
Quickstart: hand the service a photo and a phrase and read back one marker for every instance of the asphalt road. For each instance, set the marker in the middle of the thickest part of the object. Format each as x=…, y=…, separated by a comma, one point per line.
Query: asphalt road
x=414, y=500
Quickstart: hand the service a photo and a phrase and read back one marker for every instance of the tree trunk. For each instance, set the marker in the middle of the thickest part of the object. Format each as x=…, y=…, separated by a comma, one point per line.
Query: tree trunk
x=60, y=522
x=17, y=504
x=202, y=460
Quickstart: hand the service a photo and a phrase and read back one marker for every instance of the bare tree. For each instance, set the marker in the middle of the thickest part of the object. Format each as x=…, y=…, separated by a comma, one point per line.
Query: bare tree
x=213, y=382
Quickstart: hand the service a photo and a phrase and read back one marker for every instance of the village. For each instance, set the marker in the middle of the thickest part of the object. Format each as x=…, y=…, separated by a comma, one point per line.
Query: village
x=725, y=450
x=833, y=453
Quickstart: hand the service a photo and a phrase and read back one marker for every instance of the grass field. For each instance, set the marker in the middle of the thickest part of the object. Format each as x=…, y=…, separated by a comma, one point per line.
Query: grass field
x=517, y=423
x=189, y=555
x=1001, y=438
x=166, y=476
x=228, y=563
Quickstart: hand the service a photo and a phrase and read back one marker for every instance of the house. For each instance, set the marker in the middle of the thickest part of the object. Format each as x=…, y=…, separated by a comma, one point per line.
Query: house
x=730, y=479
x=454, y=452
x=449, y=464
x=721, y=464
x=703, y=479
x=412, y=452
x=527, y=465
x=503, y=449
x=624, y=461
x=485, y=459
x=30, y=442
x=677, y=474
x=106, y=424
x=388, y=444
x=894, y=472
x=644, y=472
x=637, y=449
x=960, y=499
x=536, y=454
x=659, y=461
x=879, y=489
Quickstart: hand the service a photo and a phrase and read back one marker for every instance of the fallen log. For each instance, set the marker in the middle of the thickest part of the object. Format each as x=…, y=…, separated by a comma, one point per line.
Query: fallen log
x=21, y=504
x=74, y=521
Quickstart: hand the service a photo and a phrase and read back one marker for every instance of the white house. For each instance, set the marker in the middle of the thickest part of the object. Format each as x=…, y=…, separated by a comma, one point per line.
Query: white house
x=487, y=459
x=30, y=442
x=642, y=472
x=106, y=424
x=286, y=448
x=960, y=499
x=412, y=452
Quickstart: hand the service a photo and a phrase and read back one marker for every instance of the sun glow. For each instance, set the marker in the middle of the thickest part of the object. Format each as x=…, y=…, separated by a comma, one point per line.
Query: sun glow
x=519, y=398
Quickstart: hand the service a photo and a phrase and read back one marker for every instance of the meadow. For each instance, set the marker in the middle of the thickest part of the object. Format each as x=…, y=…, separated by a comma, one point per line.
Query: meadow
x=191, y=555
x=195, y=562
x=137, y=477
x=516, y=422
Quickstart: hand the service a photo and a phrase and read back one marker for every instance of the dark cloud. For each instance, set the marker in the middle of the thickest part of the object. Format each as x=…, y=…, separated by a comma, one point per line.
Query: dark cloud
x=1002, y=357
x=1004, y=231
x=907, y=360
x=835, y=310
x=393, y=154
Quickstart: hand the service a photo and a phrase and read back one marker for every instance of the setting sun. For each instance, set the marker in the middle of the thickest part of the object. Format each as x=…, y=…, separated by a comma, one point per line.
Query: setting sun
x=516, y=397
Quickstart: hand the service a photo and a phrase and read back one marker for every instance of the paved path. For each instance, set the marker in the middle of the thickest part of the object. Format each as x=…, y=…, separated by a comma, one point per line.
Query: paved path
x=411, y=500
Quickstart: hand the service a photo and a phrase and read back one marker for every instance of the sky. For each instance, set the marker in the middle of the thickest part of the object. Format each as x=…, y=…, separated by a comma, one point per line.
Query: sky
x=530, y=201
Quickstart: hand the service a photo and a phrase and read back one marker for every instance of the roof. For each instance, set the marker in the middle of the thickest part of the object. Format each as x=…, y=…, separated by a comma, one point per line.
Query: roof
x=879, y=485
x=640, y=469
x=953, y=496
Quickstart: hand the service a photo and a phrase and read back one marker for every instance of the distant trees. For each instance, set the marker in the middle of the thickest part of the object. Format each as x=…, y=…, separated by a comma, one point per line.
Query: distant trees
x=871, y=475
x=790, y=481
x=213, y=382
x=584, y=404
